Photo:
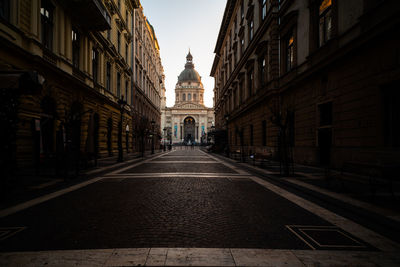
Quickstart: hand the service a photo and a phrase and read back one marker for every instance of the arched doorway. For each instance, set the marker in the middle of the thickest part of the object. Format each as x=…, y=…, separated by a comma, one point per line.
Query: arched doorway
x=189, y=126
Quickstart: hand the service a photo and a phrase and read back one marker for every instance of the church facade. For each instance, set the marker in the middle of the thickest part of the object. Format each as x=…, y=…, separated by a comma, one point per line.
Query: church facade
x=188, y=121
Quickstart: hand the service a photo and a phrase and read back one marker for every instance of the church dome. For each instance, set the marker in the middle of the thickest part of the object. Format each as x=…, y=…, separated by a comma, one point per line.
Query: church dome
x=189, y=74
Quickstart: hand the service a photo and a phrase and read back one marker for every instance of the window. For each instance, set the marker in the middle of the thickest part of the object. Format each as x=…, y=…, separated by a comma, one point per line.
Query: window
x=263, y=9
x=250, y=77
x=126, y=52
x=46, y=14
x=262, y=70
x=391, y=119
x=119, y=42
x=126, y=89
x=108, y=76
x=95, y=64
x=189, y=97
x=118, y=84
x=264, y=132
x=251, y=29
x=194, y=97
x=241, y=45
x=76, y=47
x=184, y=97
x=325, y=21
x=289, y=52
x=5, y=9
x=242, y=10
x=177, y=97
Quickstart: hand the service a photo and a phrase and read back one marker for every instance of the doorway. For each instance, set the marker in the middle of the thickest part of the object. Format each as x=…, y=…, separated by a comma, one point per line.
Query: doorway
x=189, y=126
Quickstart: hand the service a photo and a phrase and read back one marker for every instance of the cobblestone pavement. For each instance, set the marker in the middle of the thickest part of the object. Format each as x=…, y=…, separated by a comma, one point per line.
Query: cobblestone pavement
x=183, y=199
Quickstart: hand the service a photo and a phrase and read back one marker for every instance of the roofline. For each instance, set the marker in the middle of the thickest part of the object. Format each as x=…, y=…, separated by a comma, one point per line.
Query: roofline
x=230, y=5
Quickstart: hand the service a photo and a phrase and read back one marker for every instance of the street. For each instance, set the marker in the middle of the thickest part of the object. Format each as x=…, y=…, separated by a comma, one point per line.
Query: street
x=184, y=207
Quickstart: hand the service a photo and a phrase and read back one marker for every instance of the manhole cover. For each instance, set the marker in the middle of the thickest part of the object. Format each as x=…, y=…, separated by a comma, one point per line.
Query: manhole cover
x=327, y=237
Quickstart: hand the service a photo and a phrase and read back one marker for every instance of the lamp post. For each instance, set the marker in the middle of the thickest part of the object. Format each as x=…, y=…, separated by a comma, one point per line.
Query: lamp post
x=127, y=138
x=122, y=104
x=152, y=136
x=164, y=137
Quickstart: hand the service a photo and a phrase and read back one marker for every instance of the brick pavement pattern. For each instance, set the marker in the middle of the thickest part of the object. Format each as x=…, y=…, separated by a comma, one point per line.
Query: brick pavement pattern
x=162, y=211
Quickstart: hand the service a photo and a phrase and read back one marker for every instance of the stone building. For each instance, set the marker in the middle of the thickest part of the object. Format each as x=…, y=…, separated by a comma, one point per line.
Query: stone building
x=313, y=81
x=67, y=75
x=149, y=81
x=188, y=121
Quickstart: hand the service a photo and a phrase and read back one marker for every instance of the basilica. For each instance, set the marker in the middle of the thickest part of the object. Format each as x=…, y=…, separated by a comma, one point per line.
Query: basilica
x=188, y=121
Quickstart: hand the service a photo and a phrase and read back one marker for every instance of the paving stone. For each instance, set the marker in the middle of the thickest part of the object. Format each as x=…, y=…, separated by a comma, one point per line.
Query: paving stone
x=264, y=257
x=128, y=257
x=199, y=257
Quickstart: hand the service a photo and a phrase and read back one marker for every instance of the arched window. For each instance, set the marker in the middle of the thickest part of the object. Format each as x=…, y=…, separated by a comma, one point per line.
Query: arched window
x=194, y=97
x=184, y=97
x=189, y=97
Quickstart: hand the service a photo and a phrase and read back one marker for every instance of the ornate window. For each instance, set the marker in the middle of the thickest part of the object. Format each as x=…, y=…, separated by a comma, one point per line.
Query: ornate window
x=119, y=42
x=108, y=76
x=250, y=85
x=95, y=64
x=118, y=84
x=241, y=45
x=262, y=69
x=184, y=97
x=325, y=21
x=76, y=47
x=46, y=14
x=242, y=10
x=289, y=51
x=251, y=29
x=126, y=90
x=189, y=97
x=263, y=10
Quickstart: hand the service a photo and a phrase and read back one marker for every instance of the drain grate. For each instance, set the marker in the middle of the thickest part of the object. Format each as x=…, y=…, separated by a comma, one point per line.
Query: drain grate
x=327, y=237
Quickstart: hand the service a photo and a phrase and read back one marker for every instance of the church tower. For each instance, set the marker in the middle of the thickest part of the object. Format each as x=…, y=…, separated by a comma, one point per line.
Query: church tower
x=189, y=88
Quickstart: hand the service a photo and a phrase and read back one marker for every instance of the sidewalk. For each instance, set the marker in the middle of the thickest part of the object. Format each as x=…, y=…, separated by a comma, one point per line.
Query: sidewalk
x=351, y=196
x=26, y=188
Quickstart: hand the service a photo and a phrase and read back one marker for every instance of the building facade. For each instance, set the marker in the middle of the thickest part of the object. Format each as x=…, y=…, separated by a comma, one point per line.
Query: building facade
x=188, y=121
x=310, y=81
x=68, y=83
x=149, y=82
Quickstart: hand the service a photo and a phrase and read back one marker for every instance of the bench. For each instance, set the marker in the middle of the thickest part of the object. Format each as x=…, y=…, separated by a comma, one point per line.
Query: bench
x=378, y=175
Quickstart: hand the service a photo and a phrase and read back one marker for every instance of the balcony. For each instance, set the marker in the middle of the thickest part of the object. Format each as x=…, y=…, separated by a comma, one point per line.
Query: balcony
x=91, y=14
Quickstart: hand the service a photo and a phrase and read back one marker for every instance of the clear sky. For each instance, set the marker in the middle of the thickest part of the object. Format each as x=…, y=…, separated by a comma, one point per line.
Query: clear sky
x=180, y=25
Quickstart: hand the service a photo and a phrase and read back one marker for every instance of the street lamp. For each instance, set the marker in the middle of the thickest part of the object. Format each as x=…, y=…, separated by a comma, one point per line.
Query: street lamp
x=164, y=137
x=127, y=138
x=152, y=135
x=121, y=103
